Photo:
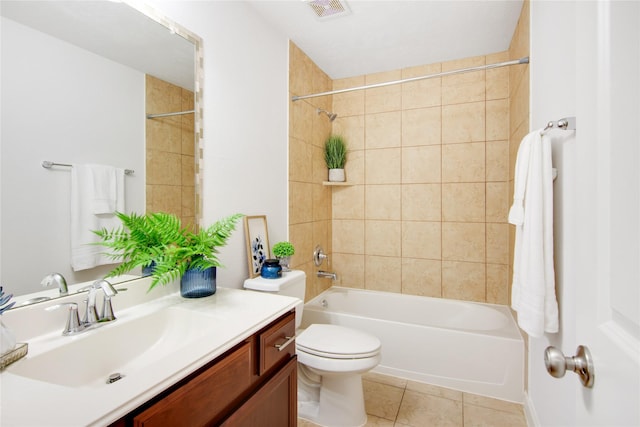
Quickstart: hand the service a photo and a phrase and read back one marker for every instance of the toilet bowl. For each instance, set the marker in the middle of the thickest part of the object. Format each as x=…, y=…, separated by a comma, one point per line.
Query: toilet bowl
x=331, y=361
x=337, y=356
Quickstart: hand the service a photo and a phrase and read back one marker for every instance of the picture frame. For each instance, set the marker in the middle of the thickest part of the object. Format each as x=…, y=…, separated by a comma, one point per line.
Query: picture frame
x=257, y=238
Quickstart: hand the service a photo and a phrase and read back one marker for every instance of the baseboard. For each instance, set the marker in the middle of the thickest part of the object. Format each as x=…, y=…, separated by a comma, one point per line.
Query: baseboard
x=530, y=412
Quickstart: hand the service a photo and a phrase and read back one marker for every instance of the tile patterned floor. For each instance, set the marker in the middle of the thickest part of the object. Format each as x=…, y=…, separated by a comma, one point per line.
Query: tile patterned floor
x=396, y=402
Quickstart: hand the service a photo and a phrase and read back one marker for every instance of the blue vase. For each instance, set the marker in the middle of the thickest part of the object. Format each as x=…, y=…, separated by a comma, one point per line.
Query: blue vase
x=196, y=283
x=147, y=270
x=271, y=269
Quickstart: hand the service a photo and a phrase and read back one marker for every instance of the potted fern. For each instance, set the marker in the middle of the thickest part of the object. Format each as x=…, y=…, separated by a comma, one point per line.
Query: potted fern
x=159, y=241
x=335, y=156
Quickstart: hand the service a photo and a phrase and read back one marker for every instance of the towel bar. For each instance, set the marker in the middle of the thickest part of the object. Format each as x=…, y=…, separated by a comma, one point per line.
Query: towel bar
x=48, y=165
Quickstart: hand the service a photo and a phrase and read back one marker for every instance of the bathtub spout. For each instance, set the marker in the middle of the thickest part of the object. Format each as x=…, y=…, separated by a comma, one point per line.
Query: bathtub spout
x=327, y=275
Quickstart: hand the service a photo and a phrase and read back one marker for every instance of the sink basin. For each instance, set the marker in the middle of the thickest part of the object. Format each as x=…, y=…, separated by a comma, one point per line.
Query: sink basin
x=88, y=359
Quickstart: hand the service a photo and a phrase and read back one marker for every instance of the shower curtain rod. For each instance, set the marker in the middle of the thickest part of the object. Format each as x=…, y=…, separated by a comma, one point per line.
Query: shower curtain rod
x=153, y=116
x=524, y=60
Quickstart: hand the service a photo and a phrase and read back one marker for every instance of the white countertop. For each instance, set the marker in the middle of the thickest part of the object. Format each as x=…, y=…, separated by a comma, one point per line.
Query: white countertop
x=235, y=315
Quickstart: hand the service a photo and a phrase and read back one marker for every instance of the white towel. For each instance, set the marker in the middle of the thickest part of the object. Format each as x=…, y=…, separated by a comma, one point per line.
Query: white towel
x=533, y=294
x=105, y=191
x=92, y=191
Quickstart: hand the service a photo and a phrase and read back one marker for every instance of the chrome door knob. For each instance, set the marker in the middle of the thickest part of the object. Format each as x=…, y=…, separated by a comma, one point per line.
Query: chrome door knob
x=582, y=364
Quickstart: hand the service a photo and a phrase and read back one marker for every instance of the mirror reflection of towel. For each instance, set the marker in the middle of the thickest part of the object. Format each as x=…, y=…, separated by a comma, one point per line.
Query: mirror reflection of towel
x=97, y=192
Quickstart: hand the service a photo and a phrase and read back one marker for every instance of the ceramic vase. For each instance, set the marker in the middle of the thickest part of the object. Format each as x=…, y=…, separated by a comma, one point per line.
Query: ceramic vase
x=196, y=283
x=336, y=175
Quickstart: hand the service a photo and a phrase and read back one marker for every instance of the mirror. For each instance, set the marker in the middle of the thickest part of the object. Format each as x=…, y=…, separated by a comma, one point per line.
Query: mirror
x=73, y=91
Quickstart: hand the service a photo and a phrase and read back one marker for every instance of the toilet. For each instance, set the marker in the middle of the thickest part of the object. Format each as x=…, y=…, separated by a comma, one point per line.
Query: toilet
x=331, y=360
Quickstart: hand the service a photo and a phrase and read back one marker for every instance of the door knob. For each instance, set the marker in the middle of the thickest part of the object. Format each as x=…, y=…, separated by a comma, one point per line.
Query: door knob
x=582, y=364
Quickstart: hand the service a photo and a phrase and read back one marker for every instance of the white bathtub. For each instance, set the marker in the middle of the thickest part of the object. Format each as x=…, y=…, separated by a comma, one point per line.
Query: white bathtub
x=467, y=346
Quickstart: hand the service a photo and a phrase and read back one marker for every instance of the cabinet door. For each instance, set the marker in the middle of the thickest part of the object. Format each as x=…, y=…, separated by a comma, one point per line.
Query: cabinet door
x=206, y=398
x=274, y=404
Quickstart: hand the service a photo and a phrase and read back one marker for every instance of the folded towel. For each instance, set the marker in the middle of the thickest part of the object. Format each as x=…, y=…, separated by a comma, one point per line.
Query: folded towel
x=533, y=294
x=85, y=201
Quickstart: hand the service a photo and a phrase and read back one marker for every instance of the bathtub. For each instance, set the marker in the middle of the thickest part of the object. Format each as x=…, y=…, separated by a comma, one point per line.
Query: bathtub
x=467, y=346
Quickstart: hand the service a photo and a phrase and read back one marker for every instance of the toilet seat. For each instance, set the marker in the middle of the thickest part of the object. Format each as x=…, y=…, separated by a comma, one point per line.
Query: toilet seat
x=337, y=342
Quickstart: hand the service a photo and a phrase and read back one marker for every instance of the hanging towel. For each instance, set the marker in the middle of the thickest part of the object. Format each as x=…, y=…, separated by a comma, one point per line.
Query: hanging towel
x=104, y=189
x=97, y=192
x=533, y=294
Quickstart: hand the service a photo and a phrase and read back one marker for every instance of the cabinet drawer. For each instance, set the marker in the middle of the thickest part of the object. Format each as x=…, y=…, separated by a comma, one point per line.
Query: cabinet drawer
x=272, y=349
x=206, y=397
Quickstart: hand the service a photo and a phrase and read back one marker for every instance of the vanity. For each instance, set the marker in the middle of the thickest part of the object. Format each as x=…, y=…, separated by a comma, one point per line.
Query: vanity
x=227, y=359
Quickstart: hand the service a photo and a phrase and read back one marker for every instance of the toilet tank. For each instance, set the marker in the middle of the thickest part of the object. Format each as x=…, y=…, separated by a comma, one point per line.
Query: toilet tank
x=291, y=284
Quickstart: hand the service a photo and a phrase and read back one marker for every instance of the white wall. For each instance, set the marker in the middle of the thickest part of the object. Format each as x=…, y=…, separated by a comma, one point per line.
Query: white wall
x=553, y=96
x=67, y=105
x=245, y=120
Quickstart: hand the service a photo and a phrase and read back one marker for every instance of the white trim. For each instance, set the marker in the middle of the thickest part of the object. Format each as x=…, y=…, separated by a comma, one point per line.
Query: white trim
x=529, y=412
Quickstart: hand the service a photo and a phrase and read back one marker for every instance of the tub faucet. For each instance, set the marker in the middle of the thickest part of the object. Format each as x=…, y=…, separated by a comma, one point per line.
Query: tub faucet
x=91, y=313
x=327, y=275
x=58, y=279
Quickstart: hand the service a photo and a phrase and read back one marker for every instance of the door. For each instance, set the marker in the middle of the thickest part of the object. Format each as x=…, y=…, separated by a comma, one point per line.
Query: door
x=608, y=198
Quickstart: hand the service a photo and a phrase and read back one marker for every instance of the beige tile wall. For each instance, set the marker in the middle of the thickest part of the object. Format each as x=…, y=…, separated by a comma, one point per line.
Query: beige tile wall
x=430, y=169
x=429, y=164
x=309, y=200
x=170, y=151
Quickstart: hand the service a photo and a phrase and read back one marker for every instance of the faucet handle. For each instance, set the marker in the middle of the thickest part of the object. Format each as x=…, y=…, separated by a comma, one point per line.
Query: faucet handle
x=85, y=318
x=319, y=256
x=107, y=310
x=73, y=325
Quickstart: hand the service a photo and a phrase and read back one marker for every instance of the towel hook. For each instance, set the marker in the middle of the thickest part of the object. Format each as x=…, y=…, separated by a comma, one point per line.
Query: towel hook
x=567, y=123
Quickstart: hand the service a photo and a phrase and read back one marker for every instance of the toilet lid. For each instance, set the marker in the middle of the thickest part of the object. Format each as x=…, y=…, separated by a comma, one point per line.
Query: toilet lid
x=337, y=342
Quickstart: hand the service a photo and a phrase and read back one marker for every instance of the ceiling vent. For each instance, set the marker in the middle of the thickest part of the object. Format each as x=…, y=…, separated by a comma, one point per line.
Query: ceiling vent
x=328, y=8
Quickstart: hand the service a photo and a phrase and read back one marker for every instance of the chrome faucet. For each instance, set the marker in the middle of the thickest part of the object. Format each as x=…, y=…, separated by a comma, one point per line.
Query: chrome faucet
x=328, y=275
x=91, y=319
x=91, y=313
x=58, y=279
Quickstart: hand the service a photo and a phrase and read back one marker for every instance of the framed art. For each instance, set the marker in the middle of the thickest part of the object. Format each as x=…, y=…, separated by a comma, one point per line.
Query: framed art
x=255, y=231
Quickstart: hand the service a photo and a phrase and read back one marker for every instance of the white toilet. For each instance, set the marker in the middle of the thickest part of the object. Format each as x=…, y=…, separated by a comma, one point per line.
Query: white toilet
x=331, y=360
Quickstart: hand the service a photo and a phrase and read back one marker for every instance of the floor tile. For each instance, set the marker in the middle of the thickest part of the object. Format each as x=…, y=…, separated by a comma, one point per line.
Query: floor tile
x=488, y=402
x=418, y=410
x=477, y=416
x=447, y=393
x=397, y=402
x=373, y=421
x=385, y=379
x=382, y=400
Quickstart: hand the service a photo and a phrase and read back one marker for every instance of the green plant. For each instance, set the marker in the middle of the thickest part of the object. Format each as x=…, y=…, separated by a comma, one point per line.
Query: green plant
x=335, y=152
x=159, y=238
x=283, y=249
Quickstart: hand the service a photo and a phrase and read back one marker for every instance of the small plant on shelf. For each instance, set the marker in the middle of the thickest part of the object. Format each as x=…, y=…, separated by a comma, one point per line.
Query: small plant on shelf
x=335, y=152
x=335, y=156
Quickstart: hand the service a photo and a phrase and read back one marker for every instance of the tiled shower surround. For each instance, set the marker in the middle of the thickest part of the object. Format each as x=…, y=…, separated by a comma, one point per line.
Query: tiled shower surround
x=429, y=171
x=170, y=151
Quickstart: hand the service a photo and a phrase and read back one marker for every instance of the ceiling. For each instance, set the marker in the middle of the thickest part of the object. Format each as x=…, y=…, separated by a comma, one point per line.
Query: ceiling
x=113, y=30
x=381, y=35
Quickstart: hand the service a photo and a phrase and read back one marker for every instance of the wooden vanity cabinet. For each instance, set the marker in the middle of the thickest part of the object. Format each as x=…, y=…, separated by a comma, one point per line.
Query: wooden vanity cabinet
x=253, y=384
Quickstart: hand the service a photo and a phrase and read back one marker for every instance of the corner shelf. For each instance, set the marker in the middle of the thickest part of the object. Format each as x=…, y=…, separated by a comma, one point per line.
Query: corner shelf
x=336, y=184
